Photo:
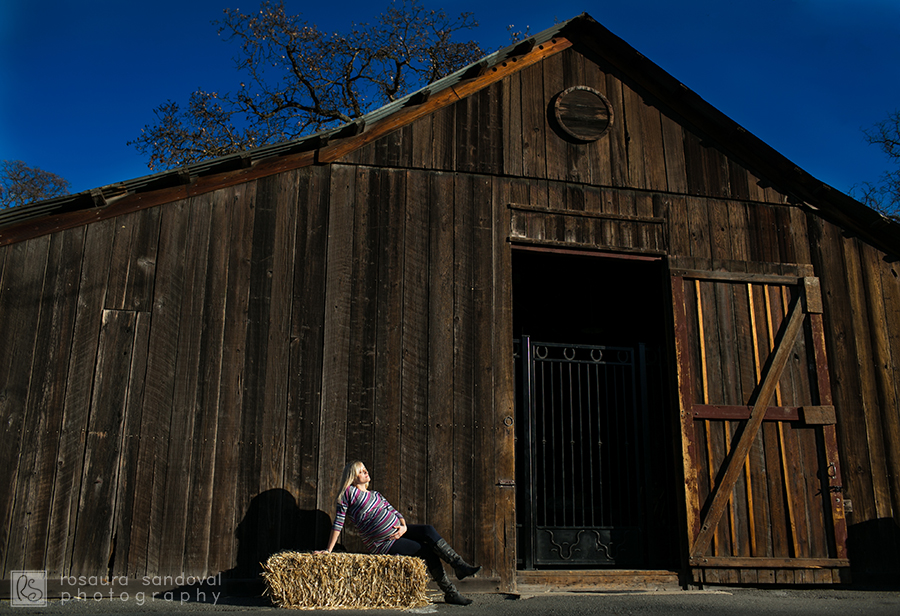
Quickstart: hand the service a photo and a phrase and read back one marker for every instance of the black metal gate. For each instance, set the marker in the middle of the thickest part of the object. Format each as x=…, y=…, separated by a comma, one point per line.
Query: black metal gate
x=580, y=470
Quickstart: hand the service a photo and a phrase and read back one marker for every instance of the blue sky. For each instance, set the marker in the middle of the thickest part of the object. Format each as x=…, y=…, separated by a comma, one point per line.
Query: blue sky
x=80, y=78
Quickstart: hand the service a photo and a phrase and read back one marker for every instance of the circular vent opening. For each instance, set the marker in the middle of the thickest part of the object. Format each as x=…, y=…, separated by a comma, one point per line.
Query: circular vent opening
x=583, y=113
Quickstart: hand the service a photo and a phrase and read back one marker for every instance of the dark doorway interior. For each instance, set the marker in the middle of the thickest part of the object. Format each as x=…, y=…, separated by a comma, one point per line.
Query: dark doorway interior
x=595, y=460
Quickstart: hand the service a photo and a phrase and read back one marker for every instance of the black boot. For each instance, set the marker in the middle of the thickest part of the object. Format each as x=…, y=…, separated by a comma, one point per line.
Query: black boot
x=451, y=595
x=461, y=567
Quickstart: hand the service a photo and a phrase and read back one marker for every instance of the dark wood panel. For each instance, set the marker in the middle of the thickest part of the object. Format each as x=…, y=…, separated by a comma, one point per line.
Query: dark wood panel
x=387, y=437
x=482, y=524
x=205, y=433
x=336, y=334
x=555, y=145
x=302, y=471
x=103, y=441
x=22, y=287
x=503, y=543
x=414, y=367
x=132, y=277
x=441, y=271
x=882, y=281
x=361, y=412
x=45, y=402
x=127, y=461
x=464, y=448
x=237, y=206
x=159, y=398
x=534, y=121
x=190, y=274
x=511, y=103
x=444, y=132
x=79, y=380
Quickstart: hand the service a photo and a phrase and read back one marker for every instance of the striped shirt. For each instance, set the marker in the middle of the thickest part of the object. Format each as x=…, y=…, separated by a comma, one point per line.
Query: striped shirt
x=374, y=517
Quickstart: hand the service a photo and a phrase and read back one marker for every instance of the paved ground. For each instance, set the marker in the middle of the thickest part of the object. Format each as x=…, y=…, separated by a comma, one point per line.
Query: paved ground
x=731, y=601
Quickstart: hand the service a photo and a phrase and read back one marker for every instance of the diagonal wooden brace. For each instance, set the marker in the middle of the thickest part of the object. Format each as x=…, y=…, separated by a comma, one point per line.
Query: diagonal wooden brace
x=740, y=453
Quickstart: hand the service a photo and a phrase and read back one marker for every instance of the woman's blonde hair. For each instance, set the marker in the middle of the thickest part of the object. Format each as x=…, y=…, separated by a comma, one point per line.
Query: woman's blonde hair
x=349, y=476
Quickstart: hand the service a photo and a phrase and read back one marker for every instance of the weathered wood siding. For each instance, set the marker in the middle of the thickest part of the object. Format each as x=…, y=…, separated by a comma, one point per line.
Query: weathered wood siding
x=181, y=385
x=186, y=361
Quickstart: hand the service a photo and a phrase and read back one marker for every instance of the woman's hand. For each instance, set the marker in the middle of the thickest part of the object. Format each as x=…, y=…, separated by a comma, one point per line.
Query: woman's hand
x=401, y=529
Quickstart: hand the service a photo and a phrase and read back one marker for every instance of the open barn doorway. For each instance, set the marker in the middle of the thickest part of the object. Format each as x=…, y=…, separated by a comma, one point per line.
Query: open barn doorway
x=596, y=482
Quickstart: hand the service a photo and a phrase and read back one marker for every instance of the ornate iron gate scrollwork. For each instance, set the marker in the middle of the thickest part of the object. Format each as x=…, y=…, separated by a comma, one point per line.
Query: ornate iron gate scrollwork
x=580, y=419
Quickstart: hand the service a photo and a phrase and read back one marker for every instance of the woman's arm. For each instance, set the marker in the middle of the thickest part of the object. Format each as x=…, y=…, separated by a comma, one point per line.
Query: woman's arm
x=331, y=542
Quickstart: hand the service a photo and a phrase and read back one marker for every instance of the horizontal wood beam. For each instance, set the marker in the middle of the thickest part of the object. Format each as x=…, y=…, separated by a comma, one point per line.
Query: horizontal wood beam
x=769, y=563
x=752, y=278
x=578, y=213
x=739, y=413
x=649, y=253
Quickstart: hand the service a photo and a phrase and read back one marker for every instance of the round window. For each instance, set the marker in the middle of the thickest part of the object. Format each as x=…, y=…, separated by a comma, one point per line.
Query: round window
x=583, y=113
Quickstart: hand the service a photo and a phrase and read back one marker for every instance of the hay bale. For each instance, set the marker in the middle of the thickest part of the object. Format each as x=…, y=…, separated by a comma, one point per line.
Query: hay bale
x=345, y=581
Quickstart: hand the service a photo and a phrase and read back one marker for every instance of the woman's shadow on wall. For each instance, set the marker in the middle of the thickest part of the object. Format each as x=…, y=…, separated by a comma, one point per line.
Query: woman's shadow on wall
x=274, y=523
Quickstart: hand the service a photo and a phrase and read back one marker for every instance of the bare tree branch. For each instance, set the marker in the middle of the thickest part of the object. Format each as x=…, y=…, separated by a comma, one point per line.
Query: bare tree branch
x=21, y=184
x=298, y=79
x=884, y=194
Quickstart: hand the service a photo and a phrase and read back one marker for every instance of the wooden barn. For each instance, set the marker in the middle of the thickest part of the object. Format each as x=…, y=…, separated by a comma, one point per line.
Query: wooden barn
x=565, y=310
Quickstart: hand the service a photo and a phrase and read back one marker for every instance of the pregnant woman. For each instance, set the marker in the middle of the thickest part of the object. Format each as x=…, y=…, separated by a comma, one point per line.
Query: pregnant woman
x=384, y=531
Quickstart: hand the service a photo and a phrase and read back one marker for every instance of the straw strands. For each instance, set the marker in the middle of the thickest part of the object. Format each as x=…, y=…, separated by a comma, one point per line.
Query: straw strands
x=342, y=581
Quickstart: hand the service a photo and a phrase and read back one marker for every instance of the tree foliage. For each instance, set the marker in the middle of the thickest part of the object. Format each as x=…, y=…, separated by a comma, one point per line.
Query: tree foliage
x=884, y=194
x=298, y=79
x=21, y=184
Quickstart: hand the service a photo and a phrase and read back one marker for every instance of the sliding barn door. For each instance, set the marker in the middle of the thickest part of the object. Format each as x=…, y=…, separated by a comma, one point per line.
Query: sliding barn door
x=763, y=480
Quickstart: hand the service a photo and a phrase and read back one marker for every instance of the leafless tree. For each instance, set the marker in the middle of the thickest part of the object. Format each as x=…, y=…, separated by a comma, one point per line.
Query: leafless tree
x=884, y=194
x=21, y=184
x=298, y=79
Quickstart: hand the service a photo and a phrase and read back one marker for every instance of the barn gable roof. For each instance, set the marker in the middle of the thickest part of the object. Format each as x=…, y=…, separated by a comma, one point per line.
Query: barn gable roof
x=329, y=146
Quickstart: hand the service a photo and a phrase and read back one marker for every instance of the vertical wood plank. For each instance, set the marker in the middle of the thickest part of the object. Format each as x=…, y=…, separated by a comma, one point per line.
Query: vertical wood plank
x=237, y=207
x=302, y=473
x=599, y=152
x=673, y=148
x=513, y=135
x=483, y=420
x=361, y=411
x=868, y=401
x=883, y=302
x=413, y=468
x=46, y=396
x=464, y=434
x=21, y=289
x=190, y=300
x=204, y=436
x=555, y=146
x=387, y=436
x=504, y=540
x=131, y=281
x=685, y=398
x=422, y=154
x=442, y=203
x=79, y=380
x=126, y=485
x=444, y=131
x=534, y=120
x=159, y=398
x=93, y=537
x=638, y=157
x=336, y=349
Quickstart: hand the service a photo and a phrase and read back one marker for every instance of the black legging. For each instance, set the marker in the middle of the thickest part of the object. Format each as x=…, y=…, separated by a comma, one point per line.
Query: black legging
x=418, y=540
